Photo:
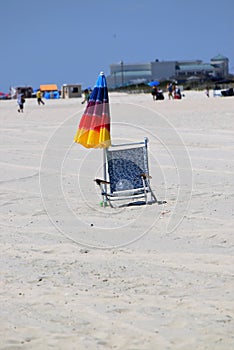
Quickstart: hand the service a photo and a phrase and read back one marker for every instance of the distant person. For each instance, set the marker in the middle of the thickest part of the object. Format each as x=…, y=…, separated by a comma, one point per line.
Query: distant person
x=39, y=98
x=20, y=101
x=154, y=92
x=170, y=91
x=160, y=95
x=177, y=93
x=207, y=92
x=86, y=96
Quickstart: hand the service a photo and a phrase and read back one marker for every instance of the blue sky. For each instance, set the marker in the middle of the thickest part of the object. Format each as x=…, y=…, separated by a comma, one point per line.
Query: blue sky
x=71, y=41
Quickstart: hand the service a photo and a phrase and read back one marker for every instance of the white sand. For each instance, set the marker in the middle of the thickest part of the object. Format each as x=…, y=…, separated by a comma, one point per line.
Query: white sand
x=74, y=275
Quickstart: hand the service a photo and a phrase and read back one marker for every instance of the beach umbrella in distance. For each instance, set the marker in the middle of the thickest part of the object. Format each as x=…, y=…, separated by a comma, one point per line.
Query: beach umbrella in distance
x=94, y=126
x=154, y=83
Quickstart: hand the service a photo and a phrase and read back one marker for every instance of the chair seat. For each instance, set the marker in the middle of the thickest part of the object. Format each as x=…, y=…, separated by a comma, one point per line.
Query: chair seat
x=127, y=174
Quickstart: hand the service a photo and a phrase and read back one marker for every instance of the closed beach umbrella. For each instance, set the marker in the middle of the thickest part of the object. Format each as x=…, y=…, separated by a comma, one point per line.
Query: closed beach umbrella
x=94, y=126
x=154, y=83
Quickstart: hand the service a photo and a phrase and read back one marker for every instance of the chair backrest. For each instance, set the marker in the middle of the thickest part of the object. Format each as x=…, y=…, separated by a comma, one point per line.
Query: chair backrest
x=125, y=167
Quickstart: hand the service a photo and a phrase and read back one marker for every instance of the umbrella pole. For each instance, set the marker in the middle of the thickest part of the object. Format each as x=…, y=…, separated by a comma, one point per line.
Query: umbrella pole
x=104, y=176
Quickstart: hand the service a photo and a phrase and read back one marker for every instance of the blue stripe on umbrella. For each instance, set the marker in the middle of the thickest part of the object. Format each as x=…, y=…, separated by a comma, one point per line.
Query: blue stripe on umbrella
x=100, y=91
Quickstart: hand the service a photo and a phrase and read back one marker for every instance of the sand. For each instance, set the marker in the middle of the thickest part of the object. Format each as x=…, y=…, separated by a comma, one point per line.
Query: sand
x=75, y=275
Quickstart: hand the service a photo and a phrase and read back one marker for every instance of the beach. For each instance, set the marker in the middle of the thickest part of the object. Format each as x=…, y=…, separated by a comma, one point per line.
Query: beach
x=76, y=275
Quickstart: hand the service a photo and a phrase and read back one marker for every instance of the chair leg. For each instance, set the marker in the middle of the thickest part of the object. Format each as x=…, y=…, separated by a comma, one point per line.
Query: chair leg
x=153, y=197
x=146, y=199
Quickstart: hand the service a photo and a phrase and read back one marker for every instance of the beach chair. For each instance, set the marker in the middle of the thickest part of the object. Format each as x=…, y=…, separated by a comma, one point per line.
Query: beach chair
x=126, y=175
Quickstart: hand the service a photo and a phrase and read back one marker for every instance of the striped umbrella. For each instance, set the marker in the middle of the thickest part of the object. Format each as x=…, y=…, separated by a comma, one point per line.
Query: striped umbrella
x=94, y=127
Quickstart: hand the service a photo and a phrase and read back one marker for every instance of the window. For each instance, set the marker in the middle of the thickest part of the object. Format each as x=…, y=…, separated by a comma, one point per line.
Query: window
x=75, y=90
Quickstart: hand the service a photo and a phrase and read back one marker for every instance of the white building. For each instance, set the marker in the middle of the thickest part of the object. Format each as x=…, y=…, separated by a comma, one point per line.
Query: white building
x=122, y=74
x=71, y=90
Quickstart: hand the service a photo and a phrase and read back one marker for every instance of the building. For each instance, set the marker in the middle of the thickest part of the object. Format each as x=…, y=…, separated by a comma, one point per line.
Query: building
x=122, y=74
x=27, y=91
x=71, y=90
x=185, y=70
x=50, y=91
x=221, y=62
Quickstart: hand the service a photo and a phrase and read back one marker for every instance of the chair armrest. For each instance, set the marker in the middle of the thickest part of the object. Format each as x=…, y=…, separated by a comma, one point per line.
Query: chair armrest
x=100, y=182
x=145, y=176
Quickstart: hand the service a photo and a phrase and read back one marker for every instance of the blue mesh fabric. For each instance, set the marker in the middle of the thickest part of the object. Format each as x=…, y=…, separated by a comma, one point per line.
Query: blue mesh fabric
x=125, y=167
